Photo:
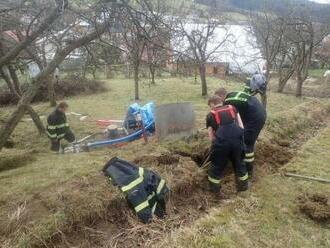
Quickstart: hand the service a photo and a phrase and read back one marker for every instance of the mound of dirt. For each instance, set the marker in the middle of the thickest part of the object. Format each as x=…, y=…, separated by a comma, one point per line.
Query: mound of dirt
x=272, y=155
x=315, y=206
x=161, y=159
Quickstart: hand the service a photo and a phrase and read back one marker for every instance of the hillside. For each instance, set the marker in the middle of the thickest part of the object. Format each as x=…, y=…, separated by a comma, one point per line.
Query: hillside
x=320, y=12
x=64, y=201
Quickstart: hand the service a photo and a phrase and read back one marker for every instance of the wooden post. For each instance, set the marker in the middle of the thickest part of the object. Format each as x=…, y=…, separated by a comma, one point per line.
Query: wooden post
x=307, y=177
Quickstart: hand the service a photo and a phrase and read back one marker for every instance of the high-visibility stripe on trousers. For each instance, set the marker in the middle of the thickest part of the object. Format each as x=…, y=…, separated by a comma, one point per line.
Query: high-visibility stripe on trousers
x=214, y=180
x=243, y=178
x=249, y=157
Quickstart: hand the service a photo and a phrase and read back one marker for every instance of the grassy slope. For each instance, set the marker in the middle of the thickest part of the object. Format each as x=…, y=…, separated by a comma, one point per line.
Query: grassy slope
x=270, y=216
x=111, y=104
x=43, y=175
x=316, y=73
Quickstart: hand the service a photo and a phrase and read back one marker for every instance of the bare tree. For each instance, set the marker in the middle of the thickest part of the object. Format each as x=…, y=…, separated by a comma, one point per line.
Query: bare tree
x=268, y=30
x=141, y=25
x=303, y=36
x=135, y=43
x=322, y=52
x=157, y=53
x=62, y=51
x=200, y=37
x=7, y=58
x=285, y=69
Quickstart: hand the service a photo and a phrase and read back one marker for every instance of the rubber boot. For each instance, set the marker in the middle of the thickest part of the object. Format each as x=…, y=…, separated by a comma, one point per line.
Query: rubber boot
x=242, y=185
x=214, y=188
x=249, y=168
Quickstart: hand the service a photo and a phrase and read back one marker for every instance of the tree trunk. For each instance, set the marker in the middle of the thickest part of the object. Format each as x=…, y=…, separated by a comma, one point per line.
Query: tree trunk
x=152, y=73
x=202, y=73
x=47, y=22
x=108, y=71
x=83, y=73
x=284, y=78
x=264, y=97
x=94, y=72
x=32, y=113
x=11, y=87
x=300, y=82
x=9, y=126
x=36, y=119
x=51, y=91
x=15, y=80
x=7, y=129
x=136, y=82
x=281, y=85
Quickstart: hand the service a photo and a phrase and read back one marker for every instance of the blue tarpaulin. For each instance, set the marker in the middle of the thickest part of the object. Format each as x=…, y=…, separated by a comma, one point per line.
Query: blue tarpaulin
x=147, y=113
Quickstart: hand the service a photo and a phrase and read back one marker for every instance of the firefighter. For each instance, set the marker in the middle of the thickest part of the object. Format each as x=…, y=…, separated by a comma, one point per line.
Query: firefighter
x=225, y=130
x=145, y=191
x=252, y=112
x=58, y=128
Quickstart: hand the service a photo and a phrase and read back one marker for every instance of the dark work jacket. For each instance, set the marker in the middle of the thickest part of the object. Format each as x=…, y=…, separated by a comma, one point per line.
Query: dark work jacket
x=230, y=133
x=57, y=125
x=145, y=190
x=251, y=110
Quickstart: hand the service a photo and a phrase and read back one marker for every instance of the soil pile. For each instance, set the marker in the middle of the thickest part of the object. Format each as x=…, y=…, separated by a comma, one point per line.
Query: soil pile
x=316, y=207
x=158, y=159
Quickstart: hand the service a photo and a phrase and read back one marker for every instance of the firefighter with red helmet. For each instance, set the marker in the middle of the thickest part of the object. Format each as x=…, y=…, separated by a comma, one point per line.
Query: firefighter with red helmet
x=226, y=131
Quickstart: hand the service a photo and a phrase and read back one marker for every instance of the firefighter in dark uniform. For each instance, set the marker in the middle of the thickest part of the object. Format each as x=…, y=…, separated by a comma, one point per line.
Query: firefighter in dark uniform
x=145, y=191
x=225, y=129
x=252, y=112
x=58, y=128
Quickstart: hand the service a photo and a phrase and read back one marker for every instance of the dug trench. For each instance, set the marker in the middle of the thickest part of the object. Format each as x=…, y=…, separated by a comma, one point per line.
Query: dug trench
x=189, y=199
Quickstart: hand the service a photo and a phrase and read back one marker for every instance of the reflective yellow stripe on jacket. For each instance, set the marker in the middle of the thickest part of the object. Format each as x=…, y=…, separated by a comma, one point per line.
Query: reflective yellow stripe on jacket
x=53, y=127
x=141, y=206
x=135, y=182
x=52, y=136
x=160, y=186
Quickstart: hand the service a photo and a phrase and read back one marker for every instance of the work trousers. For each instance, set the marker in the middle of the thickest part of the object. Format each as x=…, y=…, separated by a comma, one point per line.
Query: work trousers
x=251, y=133
x=221, y=154
x=56, y=143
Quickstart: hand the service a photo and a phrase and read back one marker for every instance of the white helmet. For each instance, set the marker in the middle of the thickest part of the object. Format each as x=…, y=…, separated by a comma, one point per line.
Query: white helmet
x=258, y=83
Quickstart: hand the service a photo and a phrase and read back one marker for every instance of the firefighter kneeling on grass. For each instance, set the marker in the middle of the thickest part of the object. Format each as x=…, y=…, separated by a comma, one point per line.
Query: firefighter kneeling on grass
x=58, y=128
x=225, y=129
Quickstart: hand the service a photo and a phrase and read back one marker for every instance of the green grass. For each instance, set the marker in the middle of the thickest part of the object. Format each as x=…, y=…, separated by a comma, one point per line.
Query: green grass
x=269, y=216
x=317, y=73
x=47, y=177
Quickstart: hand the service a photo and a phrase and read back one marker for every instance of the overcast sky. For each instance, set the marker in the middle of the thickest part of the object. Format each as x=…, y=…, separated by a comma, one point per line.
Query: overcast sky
x=321, y=1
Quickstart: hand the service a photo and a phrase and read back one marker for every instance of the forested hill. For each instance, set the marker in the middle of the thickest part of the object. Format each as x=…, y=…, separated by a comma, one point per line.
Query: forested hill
x=321, y=12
